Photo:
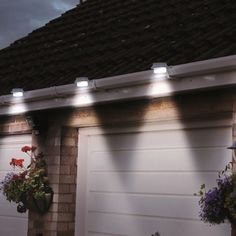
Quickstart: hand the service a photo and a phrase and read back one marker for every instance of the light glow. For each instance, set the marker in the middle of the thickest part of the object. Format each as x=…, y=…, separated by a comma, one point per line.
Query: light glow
x=82, y=82
x=160, y=88
x=17, y=92
x=159, y=68
x=82, y=100
x=17, y=109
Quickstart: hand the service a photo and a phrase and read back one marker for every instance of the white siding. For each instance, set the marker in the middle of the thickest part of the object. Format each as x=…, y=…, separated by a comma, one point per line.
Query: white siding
x=138, y=183
x=11, y=222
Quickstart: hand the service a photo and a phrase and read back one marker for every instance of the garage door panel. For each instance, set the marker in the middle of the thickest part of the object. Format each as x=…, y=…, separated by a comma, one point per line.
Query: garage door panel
x=98, y=234
x=11, y=222
x=207, y=159
x=9, y=209
x=142, y=226
x=138, y=183
x=147, y=205
x=163, y=139
x=11, y=226
x=6, y=154
x=22, y=139
x=154, y=183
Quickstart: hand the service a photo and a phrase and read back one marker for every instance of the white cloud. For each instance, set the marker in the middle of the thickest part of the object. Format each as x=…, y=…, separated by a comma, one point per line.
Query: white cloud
x=61, y=6
x=18, y=18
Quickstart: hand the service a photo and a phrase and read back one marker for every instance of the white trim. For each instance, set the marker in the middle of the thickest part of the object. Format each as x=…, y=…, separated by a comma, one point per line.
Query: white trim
x=204, y=67
x=126, y=87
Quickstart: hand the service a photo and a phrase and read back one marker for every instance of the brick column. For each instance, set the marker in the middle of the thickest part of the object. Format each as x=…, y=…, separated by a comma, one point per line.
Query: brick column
x=67, y=182
x=60, y=148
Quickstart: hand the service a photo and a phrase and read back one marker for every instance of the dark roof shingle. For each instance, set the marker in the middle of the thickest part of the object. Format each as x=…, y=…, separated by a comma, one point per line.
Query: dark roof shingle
x=105, y=38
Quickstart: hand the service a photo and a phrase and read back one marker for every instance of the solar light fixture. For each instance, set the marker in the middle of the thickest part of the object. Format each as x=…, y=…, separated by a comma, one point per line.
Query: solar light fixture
x=159, y=68
x=82, y=82
x=17, y=92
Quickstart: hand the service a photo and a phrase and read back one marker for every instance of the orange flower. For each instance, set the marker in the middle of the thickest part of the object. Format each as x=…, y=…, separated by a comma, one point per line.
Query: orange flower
x=26, y=149
x=17, y=162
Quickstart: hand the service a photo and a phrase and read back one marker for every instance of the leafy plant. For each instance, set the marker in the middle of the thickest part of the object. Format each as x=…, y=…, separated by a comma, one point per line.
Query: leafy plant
x=30, y=185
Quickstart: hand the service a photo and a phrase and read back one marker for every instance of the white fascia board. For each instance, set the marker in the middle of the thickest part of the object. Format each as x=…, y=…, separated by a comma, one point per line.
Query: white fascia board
x=125, y=87
x=151, y=90
x=203, y=67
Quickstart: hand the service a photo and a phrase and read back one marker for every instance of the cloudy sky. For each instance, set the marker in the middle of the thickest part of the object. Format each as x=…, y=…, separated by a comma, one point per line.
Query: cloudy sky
x=19, y=17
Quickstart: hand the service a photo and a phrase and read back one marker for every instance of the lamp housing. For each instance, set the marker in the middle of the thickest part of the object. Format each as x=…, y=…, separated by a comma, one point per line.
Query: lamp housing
x=82, y=82
x=17, y=92
x=160, y=68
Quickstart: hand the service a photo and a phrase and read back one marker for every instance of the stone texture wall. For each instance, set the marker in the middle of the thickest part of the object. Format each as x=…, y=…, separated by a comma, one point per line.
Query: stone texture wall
x=59, y=145
x=14, y=125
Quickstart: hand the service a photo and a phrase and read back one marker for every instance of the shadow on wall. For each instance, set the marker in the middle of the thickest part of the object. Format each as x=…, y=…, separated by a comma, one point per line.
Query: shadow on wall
x=118, y=163
x=208, y=143
x=202, y=151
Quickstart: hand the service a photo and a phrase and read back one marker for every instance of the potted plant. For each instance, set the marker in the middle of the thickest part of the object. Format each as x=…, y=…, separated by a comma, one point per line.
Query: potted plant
x=29, y=187
x=219, y=203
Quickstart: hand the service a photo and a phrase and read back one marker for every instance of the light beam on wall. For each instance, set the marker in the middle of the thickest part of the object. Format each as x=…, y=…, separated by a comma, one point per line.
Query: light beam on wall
x=18, y=108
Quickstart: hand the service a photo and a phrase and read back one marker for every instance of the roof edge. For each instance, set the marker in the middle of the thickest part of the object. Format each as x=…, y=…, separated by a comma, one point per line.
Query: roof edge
x=214, y=65
x=208, y=74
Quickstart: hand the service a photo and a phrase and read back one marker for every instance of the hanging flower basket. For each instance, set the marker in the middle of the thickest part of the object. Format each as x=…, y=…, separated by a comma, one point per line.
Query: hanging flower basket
x=40, y=205
x=29, y=188
x=219, y=203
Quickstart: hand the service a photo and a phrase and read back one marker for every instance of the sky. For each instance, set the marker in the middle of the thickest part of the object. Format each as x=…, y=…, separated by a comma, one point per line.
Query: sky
x=20, y=17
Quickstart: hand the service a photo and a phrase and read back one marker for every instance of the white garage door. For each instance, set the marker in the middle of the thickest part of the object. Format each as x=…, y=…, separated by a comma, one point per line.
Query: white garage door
x=136, y=183
x=11, y=222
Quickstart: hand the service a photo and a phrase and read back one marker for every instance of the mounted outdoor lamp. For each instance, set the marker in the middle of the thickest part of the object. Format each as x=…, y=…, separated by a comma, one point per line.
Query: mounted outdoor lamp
x=160, y=68
x=82, y=82
x=233, y=147
x=17, y=92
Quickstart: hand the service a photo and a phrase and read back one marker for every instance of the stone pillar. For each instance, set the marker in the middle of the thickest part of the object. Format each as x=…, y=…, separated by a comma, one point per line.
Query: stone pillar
x=59, y=146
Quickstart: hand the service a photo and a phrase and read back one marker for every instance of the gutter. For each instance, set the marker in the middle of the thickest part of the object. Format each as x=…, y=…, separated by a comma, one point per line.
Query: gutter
x=209, y=74
x=215, y=65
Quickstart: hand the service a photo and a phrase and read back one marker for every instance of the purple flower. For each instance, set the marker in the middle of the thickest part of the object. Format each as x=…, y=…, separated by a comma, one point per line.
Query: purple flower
x=7, y=180
x=213, y=202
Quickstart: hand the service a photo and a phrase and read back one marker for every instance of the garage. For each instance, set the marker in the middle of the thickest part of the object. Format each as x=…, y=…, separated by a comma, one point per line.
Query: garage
x=135, y=181
x=11, y=222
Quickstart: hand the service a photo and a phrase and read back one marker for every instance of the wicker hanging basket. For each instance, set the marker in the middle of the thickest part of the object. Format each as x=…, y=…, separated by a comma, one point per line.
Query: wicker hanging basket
x=39, y=205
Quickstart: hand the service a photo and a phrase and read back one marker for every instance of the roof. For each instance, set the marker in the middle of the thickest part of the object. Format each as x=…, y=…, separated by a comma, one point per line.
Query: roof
x=101, y=38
